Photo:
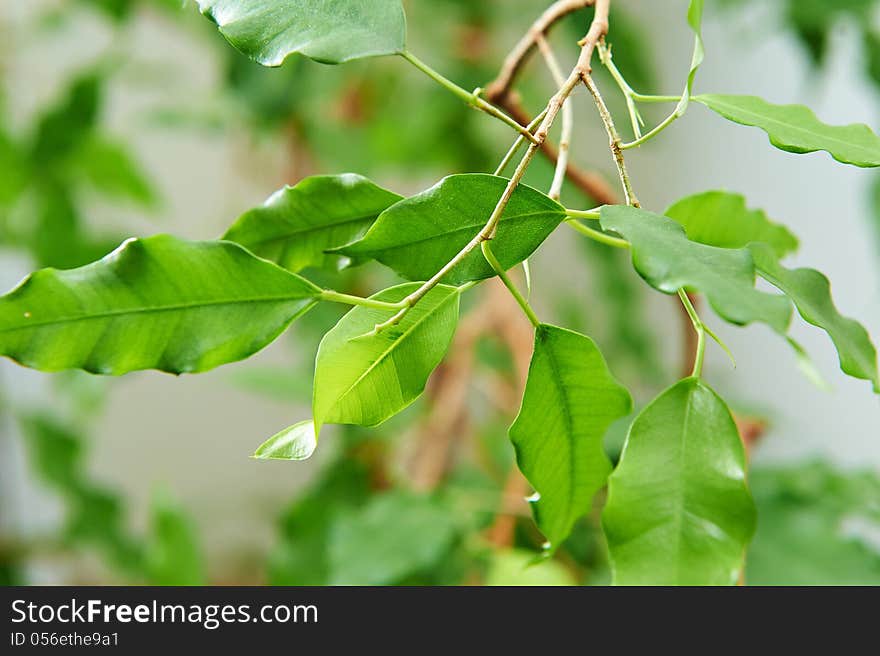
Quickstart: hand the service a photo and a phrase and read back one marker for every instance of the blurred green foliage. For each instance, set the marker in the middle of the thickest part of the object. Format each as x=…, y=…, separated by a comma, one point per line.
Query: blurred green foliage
x=359, y=522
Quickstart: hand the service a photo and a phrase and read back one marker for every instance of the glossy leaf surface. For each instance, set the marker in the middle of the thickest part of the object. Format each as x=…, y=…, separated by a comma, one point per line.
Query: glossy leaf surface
x=419, y=235
x=297, y=224
x=678, y=510
x=364, y=378
x=795, y=128
x=156, y=303
x=328, y=31
x=296, y=442
x=664, y=256
x=570, y=400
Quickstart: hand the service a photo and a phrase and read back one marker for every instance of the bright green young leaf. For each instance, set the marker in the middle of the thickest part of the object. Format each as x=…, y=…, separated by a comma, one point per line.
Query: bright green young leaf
x=811, y=293
x=419, y=235
x=720, y=218
x=328, y=31
x=397, y=534
x=795, y=128
x=173, y=555
x=297, y=224
x=364, y=378
x=669, y=261
x=570, y=400
x=679, y=511
x=297, y=442
x=156, y=303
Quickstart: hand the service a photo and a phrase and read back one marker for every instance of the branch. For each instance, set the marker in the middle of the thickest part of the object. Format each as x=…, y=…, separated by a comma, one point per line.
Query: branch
x=591, y=184
x=497, y=90
x=567, y=120
x=580, y=73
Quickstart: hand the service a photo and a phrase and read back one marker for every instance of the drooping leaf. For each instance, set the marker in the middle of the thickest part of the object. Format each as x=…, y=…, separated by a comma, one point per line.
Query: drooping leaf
x=364, y=378
x=156, y=303
x=297, y=224
x=720, y=218
x=297, y=442
x=173, y=555
x=669, y=261
x=397, y=534
x=678, y=510
x=811, y=293
x=795, y=128
x=570, y=400
x=419, y=235
x=328, y=31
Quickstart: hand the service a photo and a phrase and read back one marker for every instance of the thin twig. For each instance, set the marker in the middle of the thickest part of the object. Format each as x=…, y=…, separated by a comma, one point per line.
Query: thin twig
x=613, y=142
x=567, y=119
x=501, y=86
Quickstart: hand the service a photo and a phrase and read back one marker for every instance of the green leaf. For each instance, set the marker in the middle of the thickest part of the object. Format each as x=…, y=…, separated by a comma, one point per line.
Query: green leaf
x=678, y=510
x=297, y=224
x=795, y=128
x=364, y=378
x=419, y=235
x=811, y=293
x=570, y=400
x=173, y=556
x=397, y=534
x=297, y=442
x=664, y=256
x=328, y=31
x=720, y=218
x=156, y=303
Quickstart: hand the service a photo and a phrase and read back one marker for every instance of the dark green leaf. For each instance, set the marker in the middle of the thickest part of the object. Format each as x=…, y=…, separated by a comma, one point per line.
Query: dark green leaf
x=795, y=128
x=297, y=442
x=678, y=510
x=811, y=293
x=668, y=261
x=157, y=303
x=364, y=378
x=720, y=218
x=395, y=535
x=297, y=224
x=328, y=31
x=570, y=400
x=419, y=235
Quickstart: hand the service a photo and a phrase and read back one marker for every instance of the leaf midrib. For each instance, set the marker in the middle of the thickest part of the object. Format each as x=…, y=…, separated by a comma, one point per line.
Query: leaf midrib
x=294, y=233
x=471, y=228
x=155, y=310
x=391, y=347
